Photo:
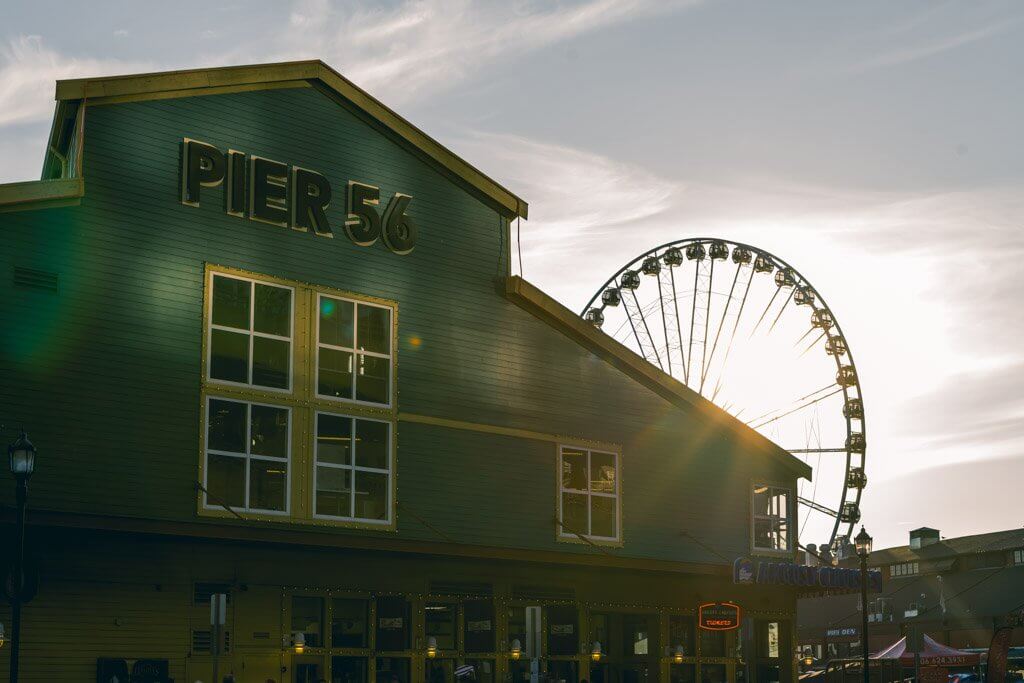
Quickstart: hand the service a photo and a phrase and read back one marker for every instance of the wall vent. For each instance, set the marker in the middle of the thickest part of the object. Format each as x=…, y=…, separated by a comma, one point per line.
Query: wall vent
x=202, y=640
x=28, y=278
x=461, y=588
x=543, y=593
x=201, y=592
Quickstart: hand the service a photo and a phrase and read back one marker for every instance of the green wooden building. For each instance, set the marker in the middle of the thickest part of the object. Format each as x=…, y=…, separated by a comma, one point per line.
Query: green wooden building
x=264, y=334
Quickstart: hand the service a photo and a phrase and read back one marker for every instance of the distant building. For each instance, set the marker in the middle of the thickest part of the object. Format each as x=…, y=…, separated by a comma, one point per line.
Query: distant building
x=956, y=590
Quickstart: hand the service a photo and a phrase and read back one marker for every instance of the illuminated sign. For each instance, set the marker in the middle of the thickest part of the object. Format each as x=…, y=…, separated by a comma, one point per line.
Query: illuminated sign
x=718, y=616
x=292, y=197
x=745, y=570
x=844, y=632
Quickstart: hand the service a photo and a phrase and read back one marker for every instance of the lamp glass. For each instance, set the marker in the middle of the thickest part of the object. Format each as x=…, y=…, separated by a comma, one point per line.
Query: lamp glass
x=863, y=542
x=677, y=654
x=595, y=651
x=517, y=649
x=22, y=455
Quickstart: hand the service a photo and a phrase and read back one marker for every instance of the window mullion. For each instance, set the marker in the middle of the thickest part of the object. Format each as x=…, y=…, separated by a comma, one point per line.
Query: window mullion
x=248, y=442
x=590, y=499
x=352, y=469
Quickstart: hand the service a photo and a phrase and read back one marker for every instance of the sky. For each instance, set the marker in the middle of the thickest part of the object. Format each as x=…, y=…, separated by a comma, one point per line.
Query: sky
x=876, y=146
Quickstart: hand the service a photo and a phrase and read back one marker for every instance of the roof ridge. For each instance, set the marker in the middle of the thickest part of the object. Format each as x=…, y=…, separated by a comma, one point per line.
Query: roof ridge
x=219, y=80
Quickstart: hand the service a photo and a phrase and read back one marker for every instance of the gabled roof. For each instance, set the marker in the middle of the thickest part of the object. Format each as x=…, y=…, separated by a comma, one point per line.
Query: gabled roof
x=194, y=82
x=536, y=302
x=1011, y=539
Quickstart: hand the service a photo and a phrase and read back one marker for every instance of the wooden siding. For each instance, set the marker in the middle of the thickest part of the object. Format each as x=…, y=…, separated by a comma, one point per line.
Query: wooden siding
x=105, y=372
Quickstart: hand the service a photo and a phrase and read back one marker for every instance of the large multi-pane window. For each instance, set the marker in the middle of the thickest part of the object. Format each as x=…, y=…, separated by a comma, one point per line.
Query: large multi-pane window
x=770, y=519
x=298, y=407
x=588, y=494
x=353, y=468
x=247, y=447
x=353, y=350
x=250, y=329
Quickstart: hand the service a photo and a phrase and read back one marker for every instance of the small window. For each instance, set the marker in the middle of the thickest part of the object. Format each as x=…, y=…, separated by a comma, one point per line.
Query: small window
x=308, y=619
x=903, y=569
x=354, y=359
x=350, y=623
x=440, y=621
x=770, y=521
x=393, y=624
x=353, y=468
x=247, y=453
x=250, y=333
x=589, y=494
x=1018, y=556
x=680, y=634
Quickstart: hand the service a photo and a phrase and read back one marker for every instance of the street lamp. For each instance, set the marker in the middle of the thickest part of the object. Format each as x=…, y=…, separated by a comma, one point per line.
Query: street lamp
x=22, y=456
x=863, y=543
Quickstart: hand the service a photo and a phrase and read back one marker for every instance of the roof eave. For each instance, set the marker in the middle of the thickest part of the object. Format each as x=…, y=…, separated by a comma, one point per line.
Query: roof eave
x=196, y=81
x=536, y=302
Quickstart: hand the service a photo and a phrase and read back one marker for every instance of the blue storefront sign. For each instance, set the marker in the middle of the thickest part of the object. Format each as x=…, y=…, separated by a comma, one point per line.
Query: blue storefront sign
x=746, y=570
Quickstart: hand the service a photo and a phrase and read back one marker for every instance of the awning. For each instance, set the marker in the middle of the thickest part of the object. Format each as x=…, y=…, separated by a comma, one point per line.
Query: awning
x=933, y=654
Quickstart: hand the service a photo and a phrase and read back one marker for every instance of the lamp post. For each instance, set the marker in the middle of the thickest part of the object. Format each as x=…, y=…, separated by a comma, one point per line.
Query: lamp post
x=22, y=456
x=863, y=543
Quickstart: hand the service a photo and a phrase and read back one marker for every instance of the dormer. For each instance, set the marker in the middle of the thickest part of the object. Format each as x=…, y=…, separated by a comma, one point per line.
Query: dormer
x=925, y=536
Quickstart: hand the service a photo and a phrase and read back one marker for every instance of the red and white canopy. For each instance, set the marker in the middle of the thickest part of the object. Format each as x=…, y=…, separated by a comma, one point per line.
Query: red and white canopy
x=933, y=654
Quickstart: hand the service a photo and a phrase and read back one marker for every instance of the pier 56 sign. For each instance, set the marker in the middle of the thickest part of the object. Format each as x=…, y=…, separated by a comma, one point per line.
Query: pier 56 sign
x=293, y=197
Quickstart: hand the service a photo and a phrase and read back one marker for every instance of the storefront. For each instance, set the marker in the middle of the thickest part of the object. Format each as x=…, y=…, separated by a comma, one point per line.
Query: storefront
x=270, y=348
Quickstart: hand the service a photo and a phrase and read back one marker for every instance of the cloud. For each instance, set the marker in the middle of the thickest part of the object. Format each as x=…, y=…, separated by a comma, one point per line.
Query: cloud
x=575, y=196
x=417, y=48
x=29, y=70
x=959, y=499
x=930, y=48
x=427, y=46
x=925, y=284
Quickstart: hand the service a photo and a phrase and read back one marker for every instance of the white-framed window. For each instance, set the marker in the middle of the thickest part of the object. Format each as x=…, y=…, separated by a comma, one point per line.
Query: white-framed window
x=589, y=497
x=353, y=469
x=354, y=360
x=251, y=331
x=903, y=569
x=1018, y=556
x=248, y=452
x=770, y=519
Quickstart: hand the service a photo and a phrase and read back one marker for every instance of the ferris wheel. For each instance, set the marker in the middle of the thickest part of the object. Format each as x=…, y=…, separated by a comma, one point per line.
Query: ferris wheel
x=747, y=331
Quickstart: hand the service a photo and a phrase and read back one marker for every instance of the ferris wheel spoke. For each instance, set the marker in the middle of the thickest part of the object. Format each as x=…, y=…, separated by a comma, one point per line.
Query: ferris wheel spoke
x=818, y=450
x=764, y=312
x=664, y=324
x=707, y=320
x=732, y=337
x=803, y=336
x=812, y=344
x=675, y=306
x=786, y=303
x=797, y=409
x=638, y=322
x=721, y=324
x=798, y=400
x=815, y=505
x=693, y=319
